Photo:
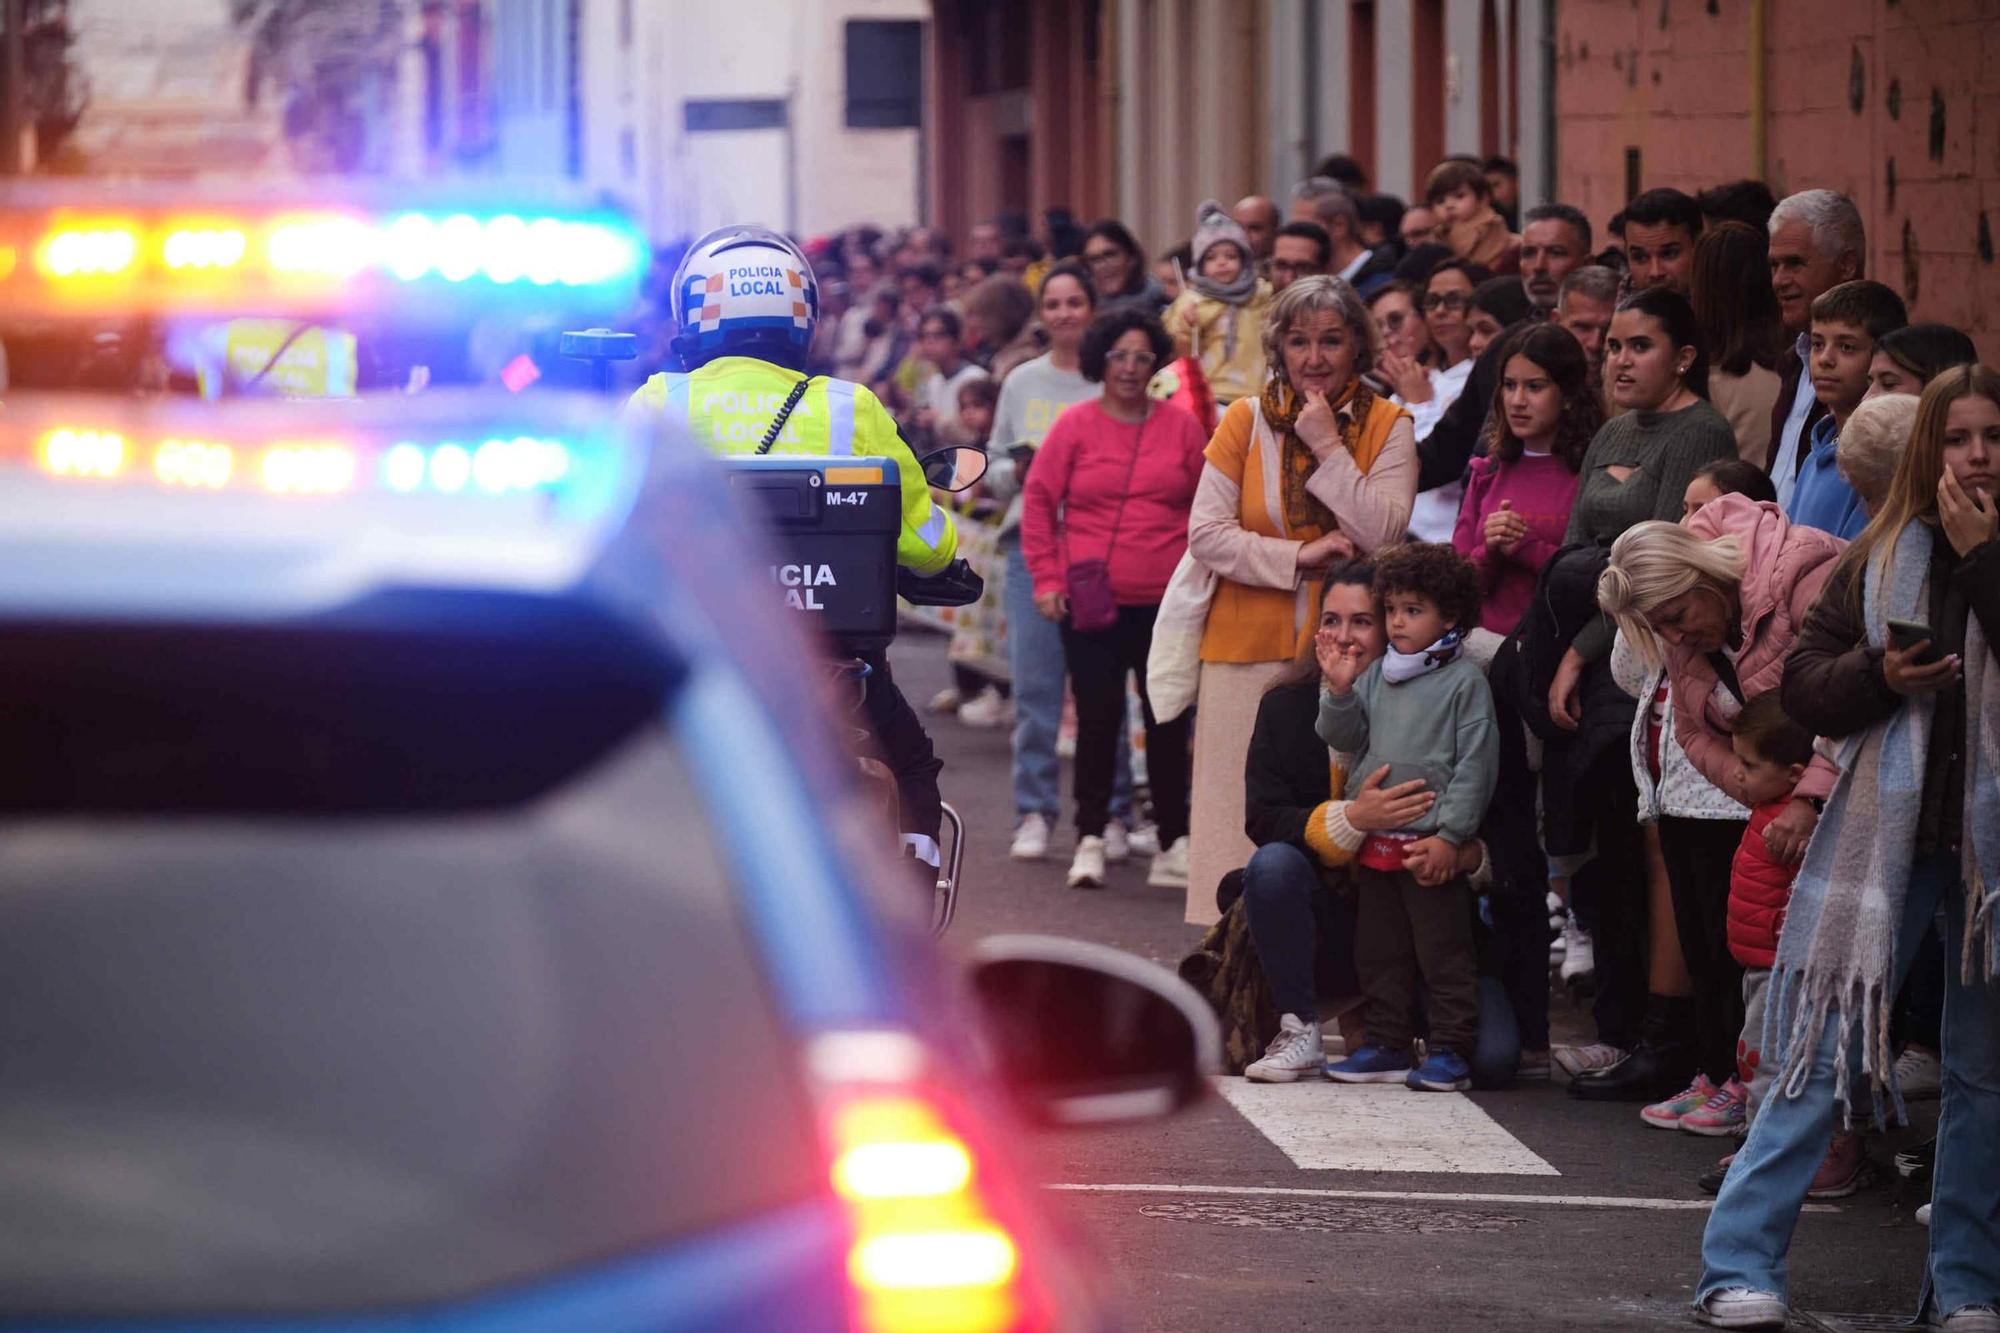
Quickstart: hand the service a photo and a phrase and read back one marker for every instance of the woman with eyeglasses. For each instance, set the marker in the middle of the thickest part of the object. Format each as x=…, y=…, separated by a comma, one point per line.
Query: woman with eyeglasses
x=1427, y=368
x=1117, y=268
x=1103, y=524
x=1317, y=469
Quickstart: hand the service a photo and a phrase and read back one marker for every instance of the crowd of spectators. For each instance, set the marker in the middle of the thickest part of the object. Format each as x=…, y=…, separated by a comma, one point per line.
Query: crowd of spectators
x=1507, y=605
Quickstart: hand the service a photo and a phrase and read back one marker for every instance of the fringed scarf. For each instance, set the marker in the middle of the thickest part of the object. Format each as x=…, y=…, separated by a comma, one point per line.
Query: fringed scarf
x=1303, y=510
x=1836, y=954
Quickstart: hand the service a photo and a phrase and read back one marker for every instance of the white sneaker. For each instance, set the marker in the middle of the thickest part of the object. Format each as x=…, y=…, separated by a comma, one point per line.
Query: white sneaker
x=1971, y=1318
x=1575, y=1060
x=946, y=700
x=1294, y=1053
x=1740, y=1307
x=1579, y=954
x=1117, y=843
x=1170, y=868
x=1144, y=840
x=989, y=711
x=1919, y=1076
x=1031, y=840
x=1923, y=1215
x=1086, y=868
x=1558, y=912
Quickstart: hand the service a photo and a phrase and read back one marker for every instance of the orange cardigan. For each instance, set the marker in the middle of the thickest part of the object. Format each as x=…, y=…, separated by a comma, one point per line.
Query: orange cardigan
x=1261, y=610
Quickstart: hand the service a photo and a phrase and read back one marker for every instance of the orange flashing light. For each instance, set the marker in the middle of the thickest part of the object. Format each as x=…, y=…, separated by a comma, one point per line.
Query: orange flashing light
x=83, y=453
x=204, y=247
x=98, y=249
x=927, y=1253
x=198, y=464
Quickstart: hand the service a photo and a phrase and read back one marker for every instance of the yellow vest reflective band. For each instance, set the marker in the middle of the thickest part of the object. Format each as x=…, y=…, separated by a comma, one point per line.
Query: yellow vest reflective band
x=728, y=405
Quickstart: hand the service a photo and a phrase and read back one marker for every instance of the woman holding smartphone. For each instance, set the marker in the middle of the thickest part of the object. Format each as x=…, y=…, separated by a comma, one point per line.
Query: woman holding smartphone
x=1910, y=831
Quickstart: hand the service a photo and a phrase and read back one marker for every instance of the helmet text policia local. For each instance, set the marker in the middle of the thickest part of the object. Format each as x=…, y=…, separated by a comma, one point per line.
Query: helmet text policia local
x=744, y=290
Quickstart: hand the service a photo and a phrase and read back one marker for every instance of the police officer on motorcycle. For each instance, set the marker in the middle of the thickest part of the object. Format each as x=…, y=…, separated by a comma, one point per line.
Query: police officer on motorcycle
x=746, y=303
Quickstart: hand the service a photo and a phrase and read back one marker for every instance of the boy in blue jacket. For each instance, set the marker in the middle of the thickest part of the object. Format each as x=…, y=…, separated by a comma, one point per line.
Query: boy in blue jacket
x=1425, y=711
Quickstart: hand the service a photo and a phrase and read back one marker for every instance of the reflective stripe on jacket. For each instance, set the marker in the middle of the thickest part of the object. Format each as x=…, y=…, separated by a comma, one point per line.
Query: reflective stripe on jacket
x=730, y=403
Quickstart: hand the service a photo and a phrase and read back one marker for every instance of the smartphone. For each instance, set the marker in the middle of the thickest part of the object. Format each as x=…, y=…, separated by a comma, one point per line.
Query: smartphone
x=1907, y=634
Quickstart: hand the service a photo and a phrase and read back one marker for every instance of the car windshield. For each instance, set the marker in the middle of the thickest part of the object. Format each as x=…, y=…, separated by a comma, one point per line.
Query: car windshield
x=364, y=969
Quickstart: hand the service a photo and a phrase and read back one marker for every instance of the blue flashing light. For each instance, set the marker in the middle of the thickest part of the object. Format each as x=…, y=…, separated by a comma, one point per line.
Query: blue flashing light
x=412, y=246
x=459, y=243
x=506, y=249
x=451, y=468
x=545, y=244
x=403, y=467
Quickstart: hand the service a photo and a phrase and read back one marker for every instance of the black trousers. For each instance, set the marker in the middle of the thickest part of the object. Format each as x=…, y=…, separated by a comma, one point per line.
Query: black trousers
x=1698, y=853
x=1099, y=661
x=1609, y=892
x=906, y=748
x=1516, y=951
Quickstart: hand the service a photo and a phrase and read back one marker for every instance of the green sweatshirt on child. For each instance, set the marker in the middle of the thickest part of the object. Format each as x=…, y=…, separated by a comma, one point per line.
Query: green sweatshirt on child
x=1438, y=727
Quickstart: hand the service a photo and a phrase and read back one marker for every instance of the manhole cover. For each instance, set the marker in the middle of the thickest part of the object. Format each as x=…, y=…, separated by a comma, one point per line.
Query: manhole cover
x=1857, y=1323
x=1326, y=1215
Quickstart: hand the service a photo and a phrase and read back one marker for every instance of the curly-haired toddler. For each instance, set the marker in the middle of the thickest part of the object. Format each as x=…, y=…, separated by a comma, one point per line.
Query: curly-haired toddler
x=1424, y=710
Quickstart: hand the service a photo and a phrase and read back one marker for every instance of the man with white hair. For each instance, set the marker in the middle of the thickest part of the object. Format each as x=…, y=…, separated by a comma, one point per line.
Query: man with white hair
x=1817, y=242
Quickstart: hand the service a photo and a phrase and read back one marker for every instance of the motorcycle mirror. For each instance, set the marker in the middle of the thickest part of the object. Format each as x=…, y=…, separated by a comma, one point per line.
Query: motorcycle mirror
x=956, y=467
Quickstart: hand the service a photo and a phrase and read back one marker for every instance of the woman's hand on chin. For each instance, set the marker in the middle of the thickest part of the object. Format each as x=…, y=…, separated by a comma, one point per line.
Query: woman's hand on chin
x=1318, y=426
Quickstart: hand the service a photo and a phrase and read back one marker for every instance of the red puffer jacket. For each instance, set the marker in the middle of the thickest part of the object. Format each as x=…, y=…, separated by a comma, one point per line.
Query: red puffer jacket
x=1760, y=889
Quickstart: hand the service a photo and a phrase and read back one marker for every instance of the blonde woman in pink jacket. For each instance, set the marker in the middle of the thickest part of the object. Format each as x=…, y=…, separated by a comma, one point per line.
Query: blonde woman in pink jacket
x=1719, y=600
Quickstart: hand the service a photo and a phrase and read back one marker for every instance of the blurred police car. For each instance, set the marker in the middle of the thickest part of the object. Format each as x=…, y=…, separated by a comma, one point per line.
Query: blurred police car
x=430, y=897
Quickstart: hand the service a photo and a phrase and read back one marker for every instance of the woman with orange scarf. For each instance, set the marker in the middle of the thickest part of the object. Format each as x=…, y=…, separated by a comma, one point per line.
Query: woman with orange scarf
x=1315, y=470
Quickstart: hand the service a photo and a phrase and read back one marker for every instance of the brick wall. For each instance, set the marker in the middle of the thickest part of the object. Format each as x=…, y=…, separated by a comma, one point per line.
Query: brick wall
x=1881, y=99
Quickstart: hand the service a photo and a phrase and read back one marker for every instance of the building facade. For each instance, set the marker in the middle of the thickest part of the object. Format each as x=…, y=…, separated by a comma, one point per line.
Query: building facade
x=1143, y=108
x=796, y=114
x=1883, y=102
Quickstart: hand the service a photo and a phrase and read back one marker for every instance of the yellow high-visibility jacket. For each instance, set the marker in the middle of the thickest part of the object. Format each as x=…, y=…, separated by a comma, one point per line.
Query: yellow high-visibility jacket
x=730, y=403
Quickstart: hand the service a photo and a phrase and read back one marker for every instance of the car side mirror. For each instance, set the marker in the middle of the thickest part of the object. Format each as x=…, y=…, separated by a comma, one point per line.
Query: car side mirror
x=956, y=467
x=1087, y=1035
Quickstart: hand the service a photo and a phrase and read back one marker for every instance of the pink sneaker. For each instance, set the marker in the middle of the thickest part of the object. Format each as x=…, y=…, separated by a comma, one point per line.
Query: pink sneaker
x=1724, y=1114
x=1844, y=1171
x=1667, y=1114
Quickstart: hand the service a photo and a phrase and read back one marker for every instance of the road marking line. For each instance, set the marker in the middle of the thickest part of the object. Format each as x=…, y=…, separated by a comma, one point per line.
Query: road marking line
x=1413, y=1196
x=1380, y=1127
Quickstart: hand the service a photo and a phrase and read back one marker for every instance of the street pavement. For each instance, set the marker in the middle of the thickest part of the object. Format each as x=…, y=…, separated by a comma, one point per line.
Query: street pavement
x=1317, y=1206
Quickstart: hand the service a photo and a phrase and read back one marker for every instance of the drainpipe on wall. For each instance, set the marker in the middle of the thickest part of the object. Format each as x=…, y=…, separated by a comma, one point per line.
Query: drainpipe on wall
x=1548, y=39
x=1759, y=131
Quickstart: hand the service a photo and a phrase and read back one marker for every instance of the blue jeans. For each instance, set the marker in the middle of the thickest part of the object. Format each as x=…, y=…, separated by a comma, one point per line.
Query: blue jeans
x=1751, y=1227
x=1035, y=656
x=1303, y=934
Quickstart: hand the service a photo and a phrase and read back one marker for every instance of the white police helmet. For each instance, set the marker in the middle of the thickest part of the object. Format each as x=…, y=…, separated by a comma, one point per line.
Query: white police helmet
x=744, y=287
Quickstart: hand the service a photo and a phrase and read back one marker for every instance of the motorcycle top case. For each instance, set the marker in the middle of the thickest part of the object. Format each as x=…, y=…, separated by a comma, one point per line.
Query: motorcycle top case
x=835, y=521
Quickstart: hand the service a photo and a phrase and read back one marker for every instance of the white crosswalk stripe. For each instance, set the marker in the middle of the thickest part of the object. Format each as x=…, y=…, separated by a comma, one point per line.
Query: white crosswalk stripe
x=1380, y=1127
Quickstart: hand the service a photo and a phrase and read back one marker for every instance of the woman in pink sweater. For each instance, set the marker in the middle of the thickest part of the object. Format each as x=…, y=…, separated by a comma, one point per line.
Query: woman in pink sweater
x=1104, y=520
x=1517, y=498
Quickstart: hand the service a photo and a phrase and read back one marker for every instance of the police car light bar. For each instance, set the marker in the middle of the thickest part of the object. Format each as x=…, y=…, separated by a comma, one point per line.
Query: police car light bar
x=92, y=249
x=280, y=453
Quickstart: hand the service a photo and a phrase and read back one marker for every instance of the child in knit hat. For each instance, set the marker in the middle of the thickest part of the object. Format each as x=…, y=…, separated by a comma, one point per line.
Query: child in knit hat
x=1219, y=316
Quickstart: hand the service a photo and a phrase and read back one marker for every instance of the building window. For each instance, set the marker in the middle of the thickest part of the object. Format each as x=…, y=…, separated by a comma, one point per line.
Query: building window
x=885, y=74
